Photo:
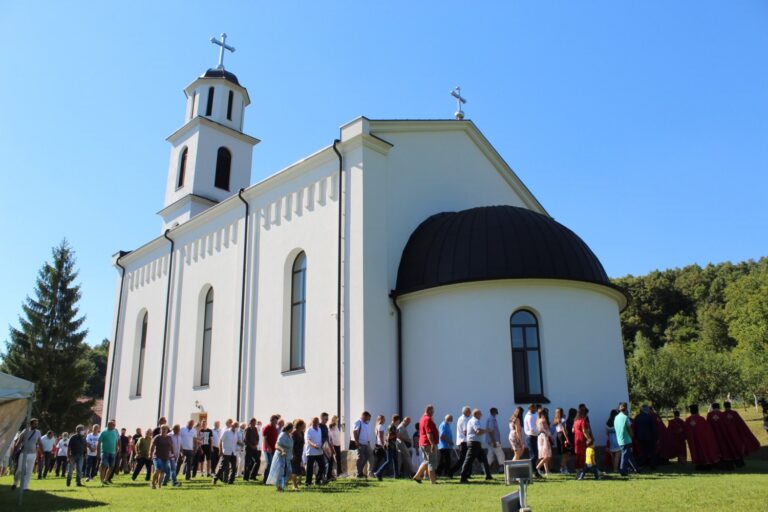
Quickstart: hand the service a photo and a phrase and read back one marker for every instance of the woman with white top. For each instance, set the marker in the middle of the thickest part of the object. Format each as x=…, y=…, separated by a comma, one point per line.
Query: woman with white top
x=544, y=441
x=561, y=434
x=334, y=437
x=61, y=454
x=379, y=450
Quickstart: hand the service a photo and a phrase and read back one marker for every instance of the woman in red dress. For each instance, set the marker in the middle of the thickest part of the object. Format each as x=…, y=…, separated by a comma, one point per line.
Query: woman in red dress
x=580, y=433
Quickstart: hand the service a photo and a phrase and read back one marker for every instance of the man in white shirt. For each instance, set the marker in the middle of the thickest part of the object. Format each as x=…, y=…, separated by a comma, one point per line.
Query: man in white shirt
x=495, y=452
x=46, y=445
x=92, y=441
x=215, y=440
x=229, y=449
x=461, y=438
x=475, y=450
x=188, y=436
x=313, y=445
x=362, y=436
x=27, y=443
x=241, y=448
x=531, y=436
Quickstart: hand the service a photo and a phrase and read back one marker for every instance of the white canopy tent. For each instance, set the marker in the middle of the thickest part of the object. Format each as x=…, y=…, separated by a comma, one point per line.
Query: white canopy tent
x=16, y=397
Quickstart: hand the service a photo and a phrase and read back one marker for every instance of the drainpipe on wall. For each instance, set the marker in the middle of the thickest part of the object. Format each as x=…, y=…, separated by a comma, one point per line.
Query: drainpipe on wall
x=338, y=285
x=399, y=354
x=242, y=305
x=113, y=345
x=165, y=329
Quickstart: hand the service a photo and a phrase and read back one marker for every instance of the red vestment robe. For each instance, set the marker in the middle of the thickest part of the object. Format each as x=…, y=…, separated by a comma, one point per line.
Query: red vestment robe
x=727, y=439
x=664, y=448
x=676, y=429
x=701, y=441
x=749, y=443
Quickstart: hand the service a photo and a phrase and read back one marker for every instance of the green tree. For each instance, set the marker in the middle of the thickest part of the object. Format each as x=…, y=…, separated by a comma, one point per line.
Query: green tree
x=709, y=375
x=656, y=376
x=98, y=356
x=746, y=308
x=48, y=348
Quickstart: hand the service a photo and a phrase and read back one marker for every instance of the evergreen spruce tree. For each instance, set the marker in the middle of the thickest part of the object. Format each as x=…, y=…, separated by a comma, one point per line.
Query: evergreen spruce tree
x=48, y=348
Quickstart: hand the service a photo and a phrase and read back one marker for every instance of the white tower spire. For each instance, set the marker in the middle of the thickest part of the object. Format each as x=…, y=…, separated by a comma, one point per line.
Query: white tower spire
x=210, y=155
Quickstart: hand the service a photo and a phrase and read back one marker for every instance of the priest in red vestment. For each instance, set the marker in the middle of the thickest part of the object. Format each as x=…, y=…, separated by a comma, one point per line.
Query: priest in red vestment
x=728, y=441
x=676, y=429
x=701, y=440
x=664, y=448
x=749, y=443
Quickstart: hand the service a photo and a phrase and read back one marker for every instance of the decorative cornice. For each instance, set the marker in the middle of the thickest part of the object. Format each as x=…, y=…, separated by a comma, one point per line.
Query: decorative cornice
x=201, y=120
x=237, y=87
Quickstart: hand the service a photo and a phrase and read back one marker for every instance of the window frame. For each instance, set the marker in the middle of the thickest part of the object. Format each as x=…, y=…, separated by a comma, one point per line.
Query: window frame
x=526, y=395
x=182, y=167
x=141, y=355
x=298, y=271
x=203, y=379
x=209, y=102
x=221, y=170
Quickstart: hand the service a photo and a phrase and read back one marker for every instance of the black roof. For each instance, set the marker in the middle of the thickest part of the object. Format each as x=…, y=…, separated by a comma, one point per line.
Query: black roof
x=494, y=242
x=221, y=73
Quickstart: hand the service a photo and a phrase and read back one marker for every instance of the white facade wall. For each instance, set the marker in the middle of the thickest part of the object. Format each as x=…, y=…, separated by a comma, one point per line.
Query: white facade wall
x=208, y=256
x=297, y=215
x=144, y=290
x=458, y=351
x=287, y=216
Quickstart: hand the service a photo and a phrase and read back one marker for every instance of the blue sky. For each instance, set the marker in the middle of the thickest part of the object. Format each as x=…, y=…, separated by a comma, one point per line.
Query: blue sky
x=642, y=126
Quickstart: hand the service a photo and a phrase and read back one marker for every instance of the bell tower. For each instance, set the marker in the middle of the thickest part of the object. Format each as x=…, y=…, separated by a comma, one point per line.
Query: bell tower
x=210, y=155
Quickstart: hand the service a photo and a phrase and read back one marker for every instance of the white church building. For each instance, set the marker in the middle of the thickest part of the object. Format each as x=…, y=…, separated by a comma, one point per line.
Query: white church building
x=401, y=265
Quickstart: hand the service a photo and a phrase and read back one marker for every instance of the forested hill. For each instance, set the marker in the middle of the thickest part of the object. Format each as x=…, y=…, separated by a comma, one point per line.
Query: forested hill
x=697, y=334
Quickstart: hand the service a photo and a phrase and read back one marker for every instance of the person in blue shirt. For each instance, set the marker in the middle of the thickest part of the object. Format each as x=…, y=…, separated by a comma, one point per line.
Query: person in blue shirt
x=445, y=446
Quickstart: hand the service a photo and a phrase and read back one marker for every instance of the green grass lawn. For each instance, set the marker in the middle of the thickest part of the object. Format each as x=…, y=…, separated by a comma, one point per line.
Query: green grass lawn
x=671, y=488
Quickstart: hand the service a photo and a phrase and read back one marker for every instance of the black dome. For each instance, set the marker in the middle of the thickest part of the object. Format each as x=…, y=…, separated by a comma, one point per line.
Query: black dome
x=494, y=242
x=221, y=73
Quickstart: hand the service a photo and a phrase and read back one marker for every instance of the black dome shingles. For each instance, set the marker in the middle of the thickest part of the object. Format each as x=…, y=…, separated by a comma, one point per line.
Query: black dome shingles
x=494, y=242
x=221, y=73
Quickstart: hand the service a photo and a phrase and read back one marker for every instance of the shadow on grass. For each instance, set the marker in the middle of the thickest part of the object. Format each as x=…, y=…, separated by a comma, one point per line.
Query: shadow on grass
x=339, y=486
x=44, y=501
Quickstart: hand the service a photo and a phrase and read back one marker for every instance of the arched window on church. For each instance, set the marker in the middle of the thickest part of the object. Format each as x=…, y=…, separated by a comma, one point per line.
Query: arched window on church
x=526, y=357
x=223, y=164
x=298, y=311
x=182, y=168
x=229, y=105
x=209, y=106
x=142, y=349
x=205, y=362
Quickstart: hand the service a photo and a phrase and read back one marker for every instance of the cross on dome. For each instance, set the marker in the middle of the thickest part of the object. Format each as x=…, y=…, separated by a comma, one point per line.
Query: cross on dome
x=223, y=46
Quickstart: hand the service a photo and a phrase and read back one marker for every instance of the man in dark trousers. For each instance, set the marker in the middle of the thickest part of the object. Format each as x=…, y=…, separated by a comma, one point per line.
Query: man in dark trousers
x=270, y=433
x=323, y=472
x=252, y=452
x=76, y=455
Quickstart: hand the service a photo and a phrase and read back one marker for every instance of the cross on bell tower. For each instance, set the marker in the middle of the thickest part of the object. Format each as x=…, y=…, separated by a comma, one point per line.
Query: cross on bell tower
x=223, y=46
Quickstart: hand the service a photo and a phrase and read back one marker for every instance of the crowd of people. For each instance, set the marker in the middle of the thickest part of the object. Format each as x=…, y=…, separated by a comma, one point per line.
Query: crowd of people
x=291, y=451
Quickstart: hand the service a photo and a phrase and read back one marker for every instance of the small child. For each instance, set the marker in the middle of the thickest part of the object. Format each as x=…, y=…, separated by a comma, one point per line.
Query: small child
x=589, y=462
